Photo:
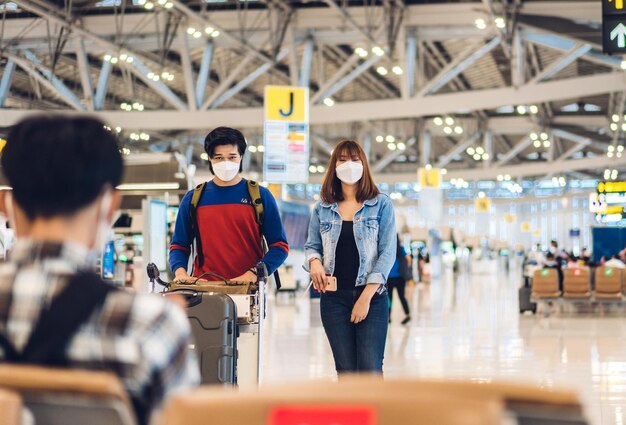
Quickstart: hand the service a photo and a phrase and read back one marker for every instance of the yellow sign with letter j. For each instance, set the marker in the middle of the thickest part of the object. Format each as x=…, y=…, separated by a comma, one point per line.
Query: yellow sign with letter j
x=284, y=103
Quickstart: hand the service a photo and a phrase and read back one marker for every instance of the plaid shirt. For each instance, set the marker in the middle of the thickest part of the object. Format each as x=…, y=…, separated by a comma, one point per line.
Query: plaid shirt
x=141, y=337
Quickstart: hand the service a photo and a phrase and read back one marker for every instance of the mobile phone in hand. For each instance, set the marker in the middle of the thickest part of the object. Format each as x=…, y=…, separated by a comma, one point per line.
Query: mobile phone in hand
x=331, y=283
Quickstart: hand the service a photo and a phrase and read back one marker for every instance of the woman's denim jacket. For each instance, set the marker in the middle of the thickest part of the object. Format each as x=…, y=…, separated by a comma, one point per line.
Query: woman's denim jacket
x=374, y=232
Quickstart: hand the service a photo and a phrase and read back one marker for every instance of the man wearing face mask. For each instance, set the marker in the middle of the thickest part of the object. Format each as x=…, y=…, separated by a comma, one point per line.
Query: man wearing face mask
x=227, y=237
x=53, y=310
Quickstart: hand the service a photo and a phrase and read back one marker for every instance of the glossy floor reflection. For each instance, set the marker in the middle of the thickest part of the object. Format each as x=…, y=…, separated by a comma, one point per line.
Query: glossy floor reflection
x=469, y=326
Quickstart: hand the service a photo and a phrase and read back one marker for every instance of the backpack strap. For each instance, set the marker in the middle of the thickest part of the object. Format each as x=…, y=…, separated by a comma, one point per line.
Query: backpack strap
x=57, y=325
x=255, y=196
x=193, y=221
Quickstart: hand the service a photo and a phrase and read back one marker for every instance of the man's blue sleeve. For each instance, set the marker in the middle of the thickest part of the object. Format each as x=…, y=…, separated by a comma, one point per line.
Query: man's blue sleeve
x=274, y=233
x=180, y=248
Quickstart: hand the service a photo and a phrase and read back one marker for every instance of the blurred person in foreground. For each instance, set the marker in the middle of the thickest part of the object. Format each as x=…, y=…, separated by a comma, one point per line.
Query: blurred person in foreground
x=54, y=311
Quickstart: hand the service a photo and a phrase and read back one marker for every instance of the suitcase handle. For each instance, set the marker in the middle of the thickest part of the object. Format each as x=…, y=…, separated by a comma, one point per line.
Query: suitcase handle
x=191, y=296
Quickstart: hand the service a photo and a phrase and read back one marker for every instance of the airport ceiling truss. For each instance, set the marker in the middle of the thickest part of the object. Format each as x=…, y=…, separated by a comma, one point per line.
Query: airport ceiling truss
x=480, y=88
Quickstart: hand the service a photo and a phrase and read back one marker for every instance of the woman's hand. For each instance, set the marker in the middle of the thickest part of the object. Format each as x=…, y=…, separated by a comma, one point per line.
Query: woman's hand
x=360, y=309
x=318, y=275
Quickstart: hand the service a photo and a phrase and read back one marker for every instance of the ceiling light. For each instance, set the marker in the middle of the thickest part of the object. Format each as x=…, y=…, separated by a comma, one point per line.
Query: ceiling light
x=140, y=108
x=118, y=129
x=544, y=136
x=500, y=177
x=438, y=121
x=380, y=139
x=611, y=148
x=534, y=109
x=141, y=2
x=428, y=167
x=465, y=185
x=149, y=6
x=204, y=156
x=444, y=171
x=391, y=146
x=123, y=56
x=361, y=52
x=329, y=102
x=260, y=148
x=123, y=105
x=378, y=51
x=480, y=150
x=500, y=22
x=107, y=58
x=458, y=130
x=480, y=24
x=614, y=126
x=215, y=34
x=390, y=139
x=447, y=130
x=623, y=64
x=470, y=151
x=382, y=70
x=609, y=154
x=620, y=148
x=401, y=146
x=397, y=70
x=129, y=108
x=533, y=136
x=615, y=118
x=151, y=75
x=476, y=157
x=546, y=144
x=507, y=177
x=162, y=2
x=165, y=74
x=624, y=127
x=170, y=77
x=191, y=30
x=156, y=78
x=521, y=109
x=208, y=30
x=481, y=194
x=197, y=34
x=485, y=156
x=449, y=121
x=114, y=60
x=320, y=169
x=136, y=105
x=252, y=148
x=169, y=5
x=619, y=154
x=537, y=143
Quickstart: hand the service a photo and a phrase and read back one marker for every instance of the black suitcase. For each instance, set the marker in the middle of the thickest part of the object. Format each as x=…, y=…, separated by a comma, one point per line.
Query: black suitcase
x=524, y=298
x=213, y=319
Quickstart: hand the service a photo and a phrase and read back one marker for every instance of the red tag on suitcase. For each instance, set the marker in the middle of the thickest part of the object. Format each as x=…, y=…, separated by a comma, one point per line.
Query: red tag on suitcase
x=323, y=415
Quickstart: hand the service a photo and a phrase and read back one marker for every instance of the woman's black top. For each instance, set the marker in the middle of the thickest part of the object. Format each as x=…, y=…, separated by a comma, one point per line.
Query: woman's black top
x=346, y=258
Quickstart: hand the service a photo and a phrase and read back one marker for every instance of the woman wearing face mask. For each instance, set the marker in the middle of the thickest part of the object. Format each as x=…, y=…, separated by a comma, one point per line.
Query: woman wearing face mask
x=224, y=226
x=352, y=239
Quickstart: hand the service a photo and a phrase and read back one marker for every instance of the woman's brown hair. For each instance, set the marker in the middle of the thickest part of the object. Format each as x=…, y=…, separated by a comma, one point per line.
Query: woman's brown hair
x=331, y=187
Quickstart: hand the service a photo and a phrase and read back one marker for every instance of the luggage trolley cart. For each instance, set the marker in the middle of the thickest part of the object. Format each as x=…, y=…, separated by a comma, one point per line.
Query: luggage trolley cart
x=227, y=327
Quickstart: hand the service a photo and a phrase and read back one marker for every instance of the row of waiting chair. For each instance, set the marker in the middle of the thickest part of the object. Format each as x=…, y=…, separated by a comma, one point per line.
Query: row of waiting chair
x=577, y=284
x=69, y=397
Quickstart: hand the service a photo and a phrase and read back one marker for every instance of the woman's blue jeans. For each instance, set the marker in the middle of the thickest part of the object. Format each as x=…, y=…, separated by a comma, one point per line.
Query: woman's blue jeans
x=360, y=347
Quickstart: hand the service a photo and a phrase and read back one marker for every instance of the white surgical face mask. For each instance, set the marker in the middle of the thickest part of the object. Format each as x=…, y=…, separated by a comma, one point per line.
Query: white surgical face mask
x=350, y=172
x=226, y=170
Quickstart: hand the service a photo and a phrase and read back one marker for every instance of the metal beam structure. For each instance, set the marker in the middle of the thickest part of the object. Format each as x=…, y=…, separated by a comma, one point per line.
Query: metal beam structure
x=185, y=55
x=458, y=65
x=5, y=83
x=103, y=82
x=479, y=86
x=519, y=147
x=561, y=63
x=205, y=72
x=85, y=78
x=456, y=150
x=391, y=156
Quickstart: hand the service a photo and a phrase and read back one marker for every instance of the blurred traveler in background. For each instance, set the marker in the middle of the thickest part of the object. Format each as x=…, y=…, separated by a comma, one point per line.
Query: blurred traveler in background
x=352, y=238
x=399, y=275
x=220, y=217
x=53, y=310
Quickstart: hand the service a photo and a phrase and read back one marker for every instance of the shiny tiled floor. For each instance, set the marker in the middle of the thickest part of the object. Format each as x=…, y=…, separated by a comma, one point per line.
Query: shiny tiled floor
x=469, y=326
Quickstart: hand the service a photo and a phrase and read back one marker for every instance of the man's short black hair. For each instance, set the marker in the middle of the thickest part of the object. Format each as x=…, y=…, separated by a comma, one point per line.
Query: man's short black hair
x=549, y=256
x=58, y=165
x=225, y=136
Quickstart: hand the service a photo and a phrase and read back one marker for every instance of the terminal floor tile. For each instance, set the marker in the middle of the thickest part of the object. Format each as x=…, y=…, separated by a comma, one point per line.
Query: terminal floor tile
x=468, y=326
